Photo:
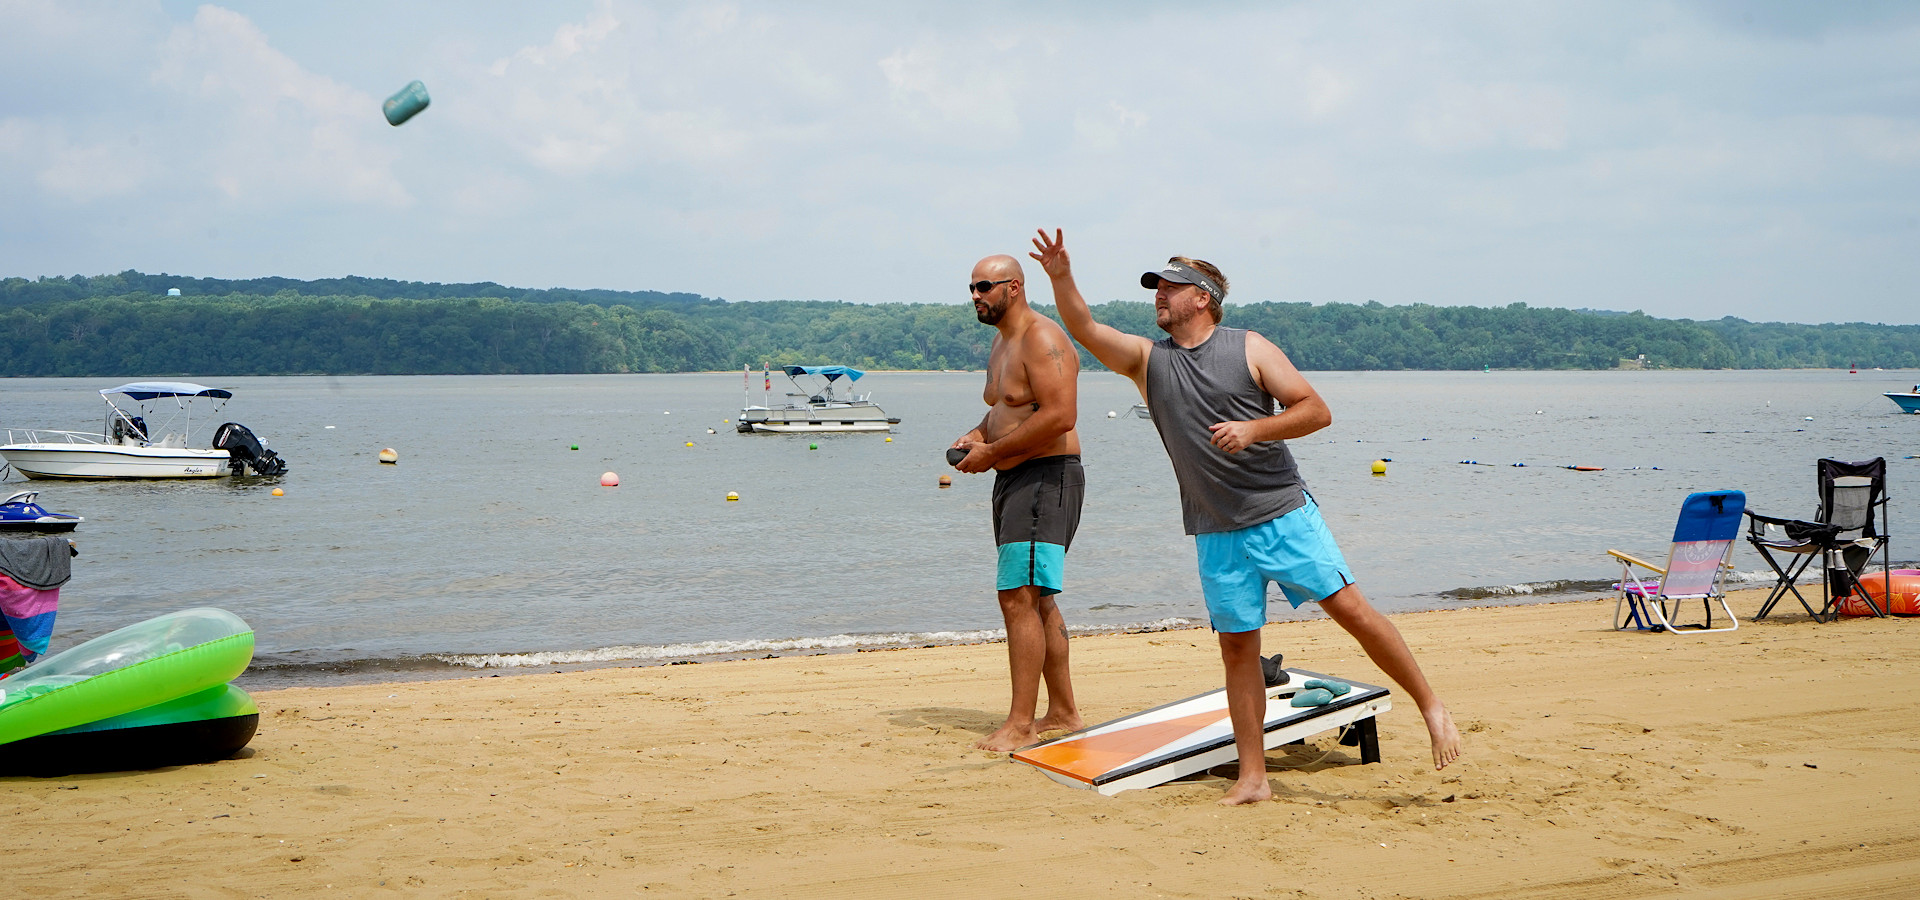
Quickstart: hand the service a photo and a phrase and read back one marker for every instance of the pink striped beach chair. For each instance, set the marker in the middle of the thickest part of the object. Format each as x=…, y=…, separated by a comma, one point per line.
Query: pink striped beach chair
x=1695, y=570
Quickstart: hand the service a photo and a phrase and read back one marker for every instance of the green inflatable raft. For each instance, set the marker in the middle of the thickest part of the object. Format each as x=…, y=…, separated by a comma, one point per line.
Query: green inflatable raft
x=148, y=695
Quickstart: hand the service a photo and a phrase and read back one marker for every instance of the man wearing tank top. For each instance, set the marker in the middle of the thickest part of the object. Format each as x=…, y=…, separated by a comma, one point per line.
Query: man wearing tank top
x=1213, y=392
x=1027, y=439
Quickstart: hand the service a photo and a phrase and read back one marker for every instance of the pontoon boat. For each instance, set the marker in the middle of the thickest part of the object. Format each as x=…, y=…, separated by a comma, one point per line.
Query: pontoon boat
x=816, y=410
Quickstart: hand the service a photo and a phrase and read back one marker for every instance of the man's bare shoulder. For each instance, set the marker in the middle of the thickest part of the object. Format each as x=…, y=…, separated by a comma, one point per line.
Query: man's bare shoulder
x=1258, y=346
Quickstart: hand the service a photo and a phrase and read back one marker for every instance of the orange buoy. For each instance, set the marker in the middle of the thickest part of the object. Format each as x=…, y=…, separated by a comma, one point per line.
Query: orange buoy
x=610, y=480
x=1902, y=600
x=946, y=481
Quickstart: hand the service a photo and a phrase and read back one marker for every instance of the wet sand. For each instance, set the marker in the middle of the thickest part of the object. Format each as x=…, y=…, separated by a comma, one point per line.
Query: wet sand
x=1776, y=761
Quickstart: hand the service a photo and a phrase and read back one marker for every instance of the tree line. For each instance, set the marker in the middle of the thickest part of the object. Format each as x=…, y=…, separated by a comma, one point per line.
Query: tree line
x=125, y=325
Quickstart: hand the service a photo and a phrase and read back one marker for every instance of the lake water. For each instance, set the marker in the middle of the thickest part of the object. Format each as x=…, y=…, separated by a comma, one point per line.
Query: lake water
x=492, y=544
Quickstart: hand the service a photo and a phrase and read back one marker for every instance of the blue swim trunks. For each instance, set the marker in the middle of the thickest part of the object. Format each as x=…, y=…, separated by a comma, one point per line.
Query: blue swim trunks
x=1295, y=551
x=1036, y=510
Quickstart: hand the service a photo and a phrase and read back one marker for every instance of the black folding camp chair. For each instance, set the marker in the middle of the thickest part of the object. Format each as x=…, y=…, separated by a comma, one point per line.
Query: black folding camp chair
x=1843, y=536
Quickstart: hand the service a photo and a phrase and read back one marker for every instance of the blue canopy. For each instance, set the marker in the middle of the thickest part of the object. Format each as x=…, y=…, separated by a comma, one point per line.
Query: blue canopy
x=147, y=390
x=829, y=372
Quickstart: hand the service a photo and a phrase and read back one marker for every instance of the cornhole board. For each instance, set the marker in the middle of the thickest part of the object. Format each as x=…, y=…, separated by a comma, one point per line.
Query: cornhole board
x=1192, y=735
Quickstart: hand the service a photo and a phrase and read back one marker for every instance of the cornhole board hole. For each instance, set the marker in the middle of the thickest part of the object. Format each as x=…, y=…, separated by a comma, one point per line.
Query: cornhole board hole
x=1192, y=735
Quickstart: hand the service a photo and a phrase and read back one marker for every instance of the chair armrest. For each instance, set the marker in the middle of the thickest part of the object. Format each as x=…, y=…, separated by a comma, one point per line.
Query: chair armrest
x=1795, y=529
x=1638, y=562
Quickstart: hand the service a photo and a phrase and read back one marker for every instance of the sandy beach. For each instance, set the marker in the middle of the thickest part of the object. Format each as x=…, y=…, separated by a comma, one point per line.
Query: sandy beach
x=1776, y=761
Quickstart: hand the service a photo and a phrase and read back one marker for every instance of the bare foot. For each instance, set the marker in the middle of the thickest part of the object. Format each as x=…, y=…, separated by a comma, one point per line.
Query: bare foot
x=1445, y=737
x=1009, y=737
x=1245, y=791
x=1067, y=721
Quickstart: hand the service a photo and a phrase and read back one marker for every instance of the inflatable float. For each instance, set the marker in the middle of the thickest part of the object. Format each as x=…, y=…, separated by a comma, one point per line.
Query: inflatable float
x=149, y=694
x=1902, y=600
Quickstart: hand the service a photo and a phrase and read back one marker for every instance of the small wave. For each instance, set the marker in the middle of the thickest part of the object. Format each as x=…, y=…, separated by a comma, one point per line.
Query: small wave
x=698, y=649
x=1528, y=588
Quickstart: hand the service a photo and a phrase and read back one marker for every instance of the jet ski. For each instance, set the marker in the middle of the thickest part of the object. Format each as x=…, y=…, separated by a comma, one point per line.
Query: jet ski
x=19, y=513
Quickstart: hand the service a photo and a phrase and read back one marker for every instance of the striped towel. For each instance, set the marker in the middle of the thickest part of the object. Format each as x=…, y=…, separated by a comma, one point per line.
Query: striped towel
x=28, y=613
x=10, y=656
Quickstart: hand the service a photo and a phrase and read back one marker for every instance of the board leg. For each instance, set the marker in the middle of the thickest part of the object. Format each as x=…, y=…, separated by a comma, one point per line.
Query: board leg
x=1366, y=734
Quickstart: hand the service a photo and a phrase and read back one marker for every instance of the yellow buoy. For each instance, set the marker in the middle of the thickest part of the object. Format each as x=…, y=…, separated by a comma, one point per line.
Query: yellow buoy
x=946, y=481
x=732, y=495
x=1379, y=467
x=279, y=493
x=388, y=456
x=689, y=443
x=889, y=440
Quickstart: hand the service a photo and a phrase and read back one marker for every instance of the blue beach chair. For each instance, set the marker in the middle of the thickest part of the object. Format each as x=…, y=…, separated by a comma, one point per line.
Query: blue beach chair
x=1696, y=566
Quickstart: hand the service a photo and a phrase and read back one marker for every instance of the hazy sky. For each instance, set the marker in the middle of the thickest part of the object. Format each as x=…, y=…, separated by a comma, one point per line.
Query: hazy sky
x=1757, y=159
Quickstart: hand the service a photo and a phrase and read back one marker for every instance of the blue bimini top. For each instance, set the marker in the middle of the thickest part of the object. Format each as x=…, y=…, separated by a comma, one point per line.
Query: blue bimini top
x=829, y=372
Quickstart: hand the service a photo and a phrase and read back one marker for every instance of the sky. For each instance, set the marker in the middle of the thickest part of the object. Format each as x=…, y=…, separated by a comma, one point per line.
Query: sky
x=1691, y=160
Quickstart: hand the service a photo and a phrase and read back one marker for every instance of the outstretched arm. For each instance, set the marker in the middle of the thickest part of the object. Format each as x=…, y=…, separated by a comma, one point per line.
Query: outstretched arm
x=1304, y=412
x=1124, y=353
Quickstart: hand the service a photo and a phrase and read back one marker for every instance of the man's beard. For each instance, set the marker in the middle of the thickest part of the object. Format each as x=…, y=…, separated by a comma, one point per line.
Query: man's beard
x=1174, y=319
x=991, y=314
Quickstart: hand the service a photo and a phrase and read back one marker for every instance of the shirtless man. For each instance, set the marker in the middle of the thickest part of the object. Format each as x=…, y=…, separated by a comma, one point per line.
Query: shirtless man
x=1027, y=438
x=1212, y=392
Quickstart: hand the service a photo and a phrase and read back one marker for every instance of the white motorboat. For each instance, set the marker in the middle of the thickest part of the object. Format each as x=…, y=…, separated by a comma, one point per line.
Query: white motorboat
x=1140, y=411
x=816, y=410
x=128, y=448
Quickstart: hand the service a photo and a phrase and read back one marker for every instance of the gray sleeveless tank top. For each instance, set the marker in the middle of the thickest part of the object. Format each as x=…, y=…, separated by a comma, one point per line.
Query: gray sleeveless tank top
x=1189, y=389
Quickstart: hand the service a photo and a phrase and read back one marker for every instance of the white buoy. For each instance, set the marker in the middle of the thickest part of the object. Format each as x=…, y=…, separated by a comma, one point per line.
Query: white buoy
x=710, y=431
x=388, y=456
x=609, y=480
x=1111, y=414
x=731, y=495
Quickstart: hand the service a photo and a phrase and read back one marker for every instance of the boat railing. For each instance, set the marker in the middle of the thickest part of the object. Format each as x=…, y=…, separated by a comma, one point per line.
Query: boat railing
x=39, y=436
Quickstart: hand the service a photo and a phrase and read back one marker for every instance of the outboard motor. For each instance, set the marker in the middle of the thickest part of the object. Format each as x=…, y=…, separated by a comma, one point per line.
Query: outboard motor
x=247, y=451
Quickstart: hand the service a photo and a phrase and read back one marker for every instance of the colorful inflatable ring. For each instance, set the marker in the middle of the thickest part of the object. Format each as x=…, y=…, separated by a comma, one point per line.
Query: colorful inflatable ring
x=1903, y=600
x=123, y=671
x=200, y=727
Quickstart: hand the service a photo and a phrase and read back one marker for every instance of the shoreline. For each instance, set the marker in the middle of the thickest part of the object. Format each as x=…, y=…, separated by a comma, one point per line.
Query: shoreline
x=272, y=671
x=1596, y=764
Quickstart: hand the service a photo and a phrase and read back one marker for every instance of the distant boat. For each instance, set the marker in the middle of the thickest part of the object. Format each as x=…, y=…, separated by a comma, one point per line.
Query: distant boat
x=817, y=410
x=1140, y=411
x=1908, y=401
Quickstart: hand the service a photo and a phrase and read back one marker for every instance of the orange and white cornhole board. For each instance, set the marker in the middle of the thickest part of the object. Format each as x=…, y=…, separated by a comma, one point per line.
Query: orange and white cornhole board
x=1192, y=735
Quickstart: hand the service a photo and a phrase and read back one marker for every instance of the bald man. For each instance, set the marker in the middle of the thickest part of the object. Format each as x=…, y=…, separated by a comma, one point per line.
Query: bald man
x=1027, y=438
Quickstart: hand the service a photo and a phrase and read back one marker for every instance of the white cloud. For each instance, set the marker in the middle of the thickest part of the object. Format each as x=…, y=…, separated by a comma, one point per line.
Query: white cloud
x=1393, y=151
x=1471, y=117
x=271, y=131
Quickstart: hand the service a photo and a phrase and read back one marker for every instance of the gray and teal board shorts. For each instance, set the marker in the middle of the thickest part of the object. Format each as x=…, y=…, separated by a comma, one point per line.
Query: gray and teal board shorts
x=1036, y=510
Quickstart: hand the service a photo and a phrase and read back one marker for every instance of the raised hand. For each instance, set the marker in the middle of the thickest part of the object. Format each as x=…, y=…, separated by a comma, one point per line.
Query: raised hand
x=1053, y=254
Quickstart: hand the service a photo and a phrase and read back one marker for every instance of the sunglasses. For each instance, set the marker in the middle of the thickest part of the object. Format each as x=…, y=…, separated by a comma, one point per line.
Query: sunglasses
x=981, y=287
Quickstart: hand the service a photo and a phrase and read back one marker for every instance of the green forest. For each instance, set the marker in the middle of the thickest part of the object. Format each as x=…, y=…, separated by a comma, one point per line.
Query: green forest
x=126, y=324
